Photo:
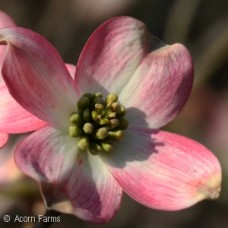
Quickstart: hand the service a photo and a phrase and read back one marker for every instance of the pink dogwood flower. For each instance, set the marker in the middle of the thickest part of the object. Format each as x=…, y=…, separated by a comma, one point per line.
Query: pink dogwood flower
x=102, y=136
x=13, y=118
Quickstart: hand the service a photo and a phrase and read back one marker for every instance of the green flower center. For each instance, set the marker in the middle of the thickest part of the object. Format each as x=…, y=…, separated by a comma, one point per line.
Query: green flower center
x=98, y=123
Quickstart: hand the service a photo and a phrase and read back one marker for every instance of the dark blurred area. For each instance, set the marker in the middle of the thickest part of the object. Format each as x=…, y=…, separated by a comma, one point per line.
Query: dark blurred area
x=201, y=25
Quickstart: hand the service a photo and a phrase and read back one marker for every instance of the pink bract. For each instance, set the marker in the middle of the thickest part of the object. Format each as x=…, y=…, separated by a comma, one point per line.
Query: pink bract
x=153, y=81
x=13, y=118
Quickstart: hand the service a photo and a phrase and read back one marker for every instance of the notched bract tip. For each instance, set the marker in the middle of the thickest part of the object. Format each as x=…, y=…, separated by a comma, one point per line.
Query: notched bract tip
x=211, y=188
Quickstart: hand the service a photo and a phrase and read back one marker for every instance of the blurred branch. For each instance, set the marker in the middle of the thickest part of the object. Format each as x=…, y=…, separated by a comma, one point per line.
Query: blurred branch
x=210, y=52
x=179, y=20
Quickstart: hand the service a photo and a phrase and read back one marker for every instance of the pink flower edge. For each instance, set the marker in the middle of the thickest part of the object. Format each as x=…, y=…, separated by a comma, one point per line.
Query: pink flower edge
x=163, y=170
x=81, y=182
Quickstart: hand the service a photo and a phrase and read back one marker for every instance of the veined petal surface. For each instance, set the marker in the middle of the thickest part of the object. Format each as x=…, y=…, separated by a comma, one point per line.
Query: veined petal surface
x=37, y=77
x=53, y=158
x=163, y=170
x=14, y=118
x=160, y=86
x=112, y=54
x=122, y=57
x=5, y=21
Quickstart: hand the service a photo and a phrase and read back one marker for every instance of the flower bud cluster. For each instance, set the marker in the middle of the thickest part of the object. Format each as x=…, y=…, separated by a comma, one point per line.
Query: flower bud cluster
x=98, y=123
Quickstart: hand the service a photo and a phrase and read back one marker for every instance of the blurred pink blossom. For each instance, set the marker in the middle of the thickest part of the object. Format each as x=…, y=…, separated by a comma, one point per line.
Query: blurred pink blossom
x=8, y=169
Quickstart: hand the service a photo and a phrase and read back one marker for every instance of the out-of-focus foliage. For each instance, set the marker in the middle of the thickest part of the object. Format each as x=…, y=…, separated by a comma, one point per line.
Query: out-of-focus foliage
x=202, y=26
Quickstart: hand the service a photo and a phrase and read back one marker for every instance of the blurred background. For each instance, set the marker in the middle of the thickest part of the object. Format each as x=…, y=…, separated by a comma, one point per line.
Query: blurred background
x=202, y=25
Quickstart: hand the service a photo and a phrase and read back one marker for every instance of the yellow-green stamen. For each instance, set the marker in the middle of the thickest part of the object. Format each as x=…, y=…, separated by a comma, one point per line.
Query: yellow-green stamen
x=98, y=123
